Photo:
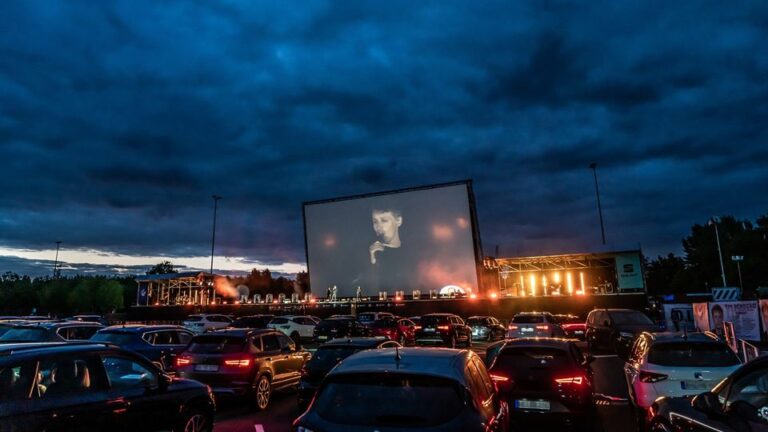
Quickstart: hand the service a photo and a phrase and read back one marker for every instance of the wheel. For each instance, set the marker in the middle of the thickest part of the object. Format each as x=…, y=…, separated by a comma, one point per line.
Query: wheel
x=262, y=392
x=195, y=420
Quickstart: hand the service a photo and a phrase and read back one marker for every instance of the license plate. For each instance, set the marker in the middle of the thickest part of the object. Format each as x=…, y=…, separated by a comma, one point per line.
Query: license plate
x=526, y=329
x=540, y=405
x=578, y=332
x=694, y=385
x=206, y=368
x=322, y=337
x=429, y=330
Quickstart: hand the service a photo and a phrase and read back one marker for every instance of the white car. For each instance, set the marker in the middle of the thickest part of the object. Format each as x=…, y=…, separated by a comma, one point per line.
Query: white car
x=206, y=322
x=297, y=327
x=676, y=364
x=534, y=324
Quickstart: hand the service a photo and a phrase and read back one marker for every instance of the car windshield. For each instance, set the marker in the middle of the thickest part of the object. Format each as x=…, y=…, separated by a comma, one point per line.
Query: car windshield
x=330, y=355
x=539, y=358
x=384, y=323
x=216, y=345
x=693, y=354
x=194, y=318
x=528, y=319
x=117, y=338
x=434, y=320
x=26, y=334
x=389, y=400
x=629, y=317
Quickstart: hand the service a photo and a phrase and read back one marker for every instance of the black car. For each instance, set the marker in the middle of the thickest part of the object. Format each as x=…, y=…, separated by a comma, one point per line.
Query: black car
x=339, y=327
x=443, y=329
x=160, y=343
x=544, y=378
x=51, y=331
x=252, y=321
x=738, y=403
x=95, y=387
x=243, y=362
x=329, y=355
x=486, y=328
x=616, y=329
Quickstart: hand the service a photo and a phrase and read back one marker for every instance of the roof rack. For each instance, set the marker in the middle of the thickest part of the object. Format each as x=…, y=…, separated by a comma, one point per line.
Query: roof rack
x=41, y=345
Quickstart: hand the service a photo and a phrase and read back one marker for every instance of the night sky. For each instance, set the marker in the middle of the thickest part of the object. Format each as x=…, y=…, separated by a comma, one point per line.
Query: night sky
x=120, y=119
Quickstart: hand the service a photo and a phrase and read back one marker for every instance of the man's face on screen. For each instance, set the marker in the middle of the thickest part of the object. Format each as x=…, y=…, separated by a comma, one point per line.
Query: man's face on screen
x=386, y=225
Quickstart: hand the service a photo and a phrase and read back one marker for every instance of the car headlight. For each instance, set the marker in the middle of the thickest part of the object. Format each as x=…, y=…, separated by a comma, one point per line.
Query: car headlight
x=626, y=335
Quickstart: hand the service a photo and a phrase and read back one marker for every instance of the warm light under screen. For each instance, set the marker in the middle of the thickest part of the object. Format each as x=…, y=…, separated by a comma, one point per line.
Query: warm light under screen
x=436, y=243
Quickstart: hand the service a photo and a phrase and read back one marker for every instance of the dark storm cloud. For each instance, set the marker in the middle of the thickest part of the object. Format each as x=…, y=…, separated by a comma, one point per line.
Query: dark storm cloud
x=120, y=119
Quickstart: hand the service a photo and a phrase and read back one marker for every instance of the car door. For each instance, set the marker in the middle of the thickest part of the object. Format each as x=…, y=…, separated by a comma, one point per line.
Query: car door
x=271, y=353
x=293, y=359
x=305, y=327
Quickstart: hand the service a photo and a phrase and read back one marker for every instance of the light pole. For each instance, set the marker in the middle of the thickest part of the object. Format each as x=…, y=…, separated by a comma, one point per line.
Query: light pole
x=713, y=221
x=593, y=166
x=216, y=199
x=738, y=259
x=56, y=261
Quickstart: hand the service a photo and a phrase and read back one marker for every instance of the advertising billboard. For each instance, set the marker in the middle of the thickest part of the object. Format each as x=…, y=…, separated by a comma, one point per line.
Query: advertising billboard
x=413, y=239
x=743, y=314
x=629, y=271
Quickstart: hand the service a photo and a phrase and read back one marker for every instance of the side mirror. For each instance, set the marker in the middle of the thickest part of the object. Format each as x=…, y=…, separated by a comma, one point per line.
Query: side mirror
x=707, y=403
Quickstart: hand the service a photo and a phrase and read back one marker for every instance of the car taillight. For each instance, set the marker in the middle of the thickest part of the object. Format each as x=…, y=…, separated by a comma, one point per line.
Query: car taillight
x=443, y=327
x=542, y=327
x=651, y=377
x=183, y=361
x=238, y=362
x=575, y=380
x=496, y=377
x=513, y=327
x=417, y=327
x=572, y=326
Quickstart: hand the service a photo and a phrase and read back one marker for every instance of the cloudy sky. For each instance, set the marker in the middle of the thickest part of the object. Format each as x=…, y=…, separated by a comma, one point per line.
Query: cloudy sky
x=120, y=119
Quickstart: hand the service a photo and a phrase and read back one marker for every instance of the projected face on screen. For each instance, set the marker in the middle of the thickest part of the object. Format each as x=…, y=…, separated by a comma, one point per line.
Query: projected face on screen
x=420, y=239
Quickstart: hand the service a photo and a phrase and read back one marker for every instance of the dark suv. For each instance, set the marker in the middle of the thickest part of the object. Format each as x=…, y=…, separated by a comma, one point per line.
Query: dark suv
x=338, y=327
x=443, y=329
x=51, y=331
x=616, y=329
x=95, y=387
x=248, y=361
x=160, y=343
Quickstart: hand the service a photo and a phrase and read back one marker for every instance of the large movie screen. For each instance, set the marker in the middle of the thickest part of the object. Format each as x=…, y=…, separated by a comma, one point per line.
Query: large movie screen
x=418, y=239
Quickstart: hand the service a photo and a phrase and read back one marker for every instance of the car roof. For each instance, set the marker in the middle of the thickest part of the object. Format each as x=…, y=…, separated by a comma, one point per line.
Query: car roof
x=15, y=350
x=539, y=342
x=440, y=314
x=533, y=313
x=137, y=328
x=356, y=341
x=662, y=337
x=439, y=362
x=239, y=332
x=479, y=317
x=57, y=324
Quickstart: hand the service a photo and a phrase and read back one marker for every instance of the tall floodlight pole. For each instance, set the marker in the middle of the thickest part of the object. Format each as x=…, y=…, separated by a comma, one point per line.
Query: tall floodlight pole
x=713, y=221
x=216, y=199
x=738, y=259
x=593, y=166
x=56, y=261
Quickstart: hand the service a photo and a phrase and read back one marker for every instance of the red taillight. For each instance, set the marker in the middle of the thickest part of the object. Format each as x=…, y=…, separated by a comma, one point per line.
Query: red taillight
x=499, y=378
x=575, y=380
x=183, y=361
x=542, y=327
x=417, y=327
x=443, y=327
x=572, y=326
x=651, y=377
x=238, y=362
x=513, y=327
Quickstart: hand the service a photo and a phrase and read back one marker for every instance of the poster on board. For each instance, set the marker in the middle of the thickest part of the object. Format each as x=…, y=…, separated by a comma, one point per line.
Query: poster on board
x=743, y=315
x=701, y=316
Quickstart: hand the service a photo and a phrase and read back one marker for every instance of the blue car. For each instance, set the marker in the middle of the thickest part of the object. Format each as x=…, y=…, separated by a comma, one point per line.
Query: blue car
x=158, y=343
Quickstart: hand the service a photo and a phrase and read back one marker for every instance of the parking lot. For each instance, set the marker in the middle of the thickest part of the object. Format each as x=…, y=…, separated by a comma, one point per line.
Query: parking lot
x=614, y=412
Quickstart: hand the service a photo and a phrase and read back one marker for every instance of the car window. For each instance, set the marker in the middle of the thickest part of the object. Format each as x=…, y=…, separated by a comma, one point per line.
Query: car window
x=279, y=321
x=485, y=379
x=65, y=377
x=270, y=343
x=166, y=337
x=16, y=381
x=216, y=344
x=629, y=317
x=528, y=319
x=406, y=323
x=25, y=334
x=117, y=338
x=77, y=332
x=184, y=337
x=285, y=341
x=126, y=373
x=194, y=318
x=693, y=354
x=751, y=388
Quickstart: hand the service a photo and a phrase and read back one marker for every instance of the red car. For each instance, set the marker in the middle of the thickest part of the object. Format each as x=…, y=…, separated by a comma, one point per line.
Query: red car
x=402, y=330
x=573, y=326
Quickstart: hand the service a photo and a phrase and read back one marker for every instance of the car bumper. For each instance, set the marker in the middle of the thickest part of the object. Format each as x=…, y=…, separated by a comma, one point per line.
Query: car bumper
x=221, y=383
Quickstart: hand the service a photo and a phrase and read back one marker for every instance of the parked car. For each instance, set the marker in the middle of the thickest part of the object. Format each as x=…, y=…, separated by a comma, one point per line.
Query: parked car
x=158, y=343
x=544, y=378
x=329, y=355
x=737, y=403
x=95, y=387
x=339, y=327
x=416, y=320
x=616, y=329
x=251, y=321
x=243, y=362
x=202, y=323
x=486, y=328
x=90, y=318
x=368, y=318
x=572, y=325
x=409, y=389
x=402, y=330
x=674, y=364
x=534, y=324
x=51, y=331
x=443, y=329
x=300, y=328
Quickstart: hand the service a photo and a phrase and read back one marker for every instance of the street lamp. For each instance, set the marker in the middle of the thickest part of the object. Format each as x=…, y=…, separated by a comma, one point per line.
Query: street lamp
x=713, y=221
x=216, y=199
x=56, y=261
x=593, y=166
x=738, y=259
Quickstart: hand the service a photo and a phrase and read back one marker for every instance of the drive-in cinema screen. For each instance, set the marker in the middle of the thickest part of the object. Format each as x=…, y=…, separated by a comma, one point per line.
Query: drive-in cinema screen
x=416, y=239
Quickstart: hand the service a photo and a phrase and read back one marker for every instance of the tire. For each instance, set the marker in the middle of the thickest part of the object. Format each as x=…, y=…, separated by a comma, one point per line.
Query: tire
x=262, y=392
x=194, y=420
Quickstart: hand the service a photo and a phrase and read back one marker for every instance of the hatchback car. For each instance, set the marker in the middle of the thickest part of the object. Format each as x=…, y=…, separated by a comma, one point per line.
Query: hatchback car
x=339, y=327
x=329, y=355
x=51, y=331
x=572, y=325
x=443, y=329
x=300, y=328
x=206, y=322
x=402, y=330
x=408, y=389
x=534, y=324
x=243, y=362
x=486, y=328
x=95, y=387
x=544, y=378
x=675, y=364
x=737, y=403
x=158, y=343
x=616, y=329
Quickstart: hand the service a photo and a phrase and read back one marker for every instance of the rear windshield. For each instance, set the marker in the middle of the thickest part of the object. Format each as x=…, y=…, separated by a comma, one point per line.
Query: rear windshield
x=384, y=323
x=390, y=400
x=27, y=334
x=216, y=344
x=539, y=358
x=194, y=318
x=629, y=317
x=335, y=323
x=366, y=317
x=250, y=323
x=567, y=319
x=117, y=338
x=279, y=321
x=528, y=319
x=694, y=354
x=330, y=355
x=476, y=321
x=432, y=320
